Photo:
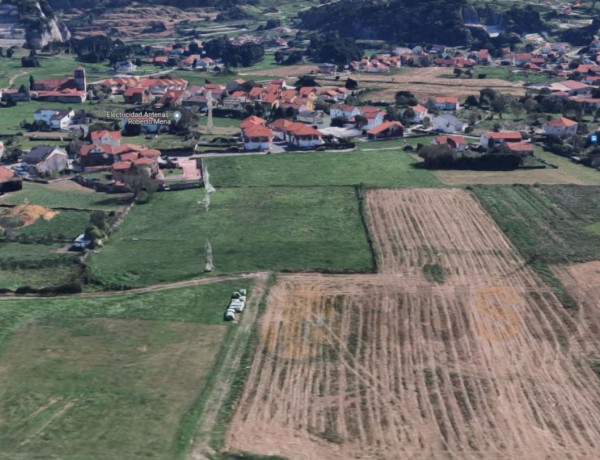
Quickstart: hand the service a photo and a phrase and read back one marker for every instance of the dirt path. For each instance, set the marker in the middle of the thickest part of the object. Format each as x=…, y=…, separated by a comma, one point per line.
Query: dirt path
x=12, y=80
x=142, y=290
x=227, y=373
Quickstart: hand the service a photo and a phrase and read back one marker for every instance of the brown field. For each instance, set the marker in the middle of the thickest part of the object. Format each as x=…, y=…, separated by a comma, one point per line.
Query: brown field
x=285, y=71
x=475, y=363
x=429, y=81
x=135, y=22
x=520, y=176
x=582, y=281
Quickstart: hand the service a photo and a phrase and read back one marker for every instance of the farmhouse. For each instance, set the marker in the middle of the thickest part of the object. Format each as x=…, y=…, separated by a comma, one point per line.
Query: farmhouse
x=44, y=159
x=561, y=127
x=387, y=129
x=489, y=139
x=55, y=118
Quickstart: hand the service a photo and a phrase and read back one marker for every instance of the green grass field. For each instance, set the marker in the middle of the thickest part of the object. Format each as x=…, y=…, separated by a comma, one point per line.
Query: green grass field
x=384, y=168
x=122, y=376
x=76, y=198
x=251, y=230
x=67, y=224
x=587, y=176
x=548, y=225
x=35, y=265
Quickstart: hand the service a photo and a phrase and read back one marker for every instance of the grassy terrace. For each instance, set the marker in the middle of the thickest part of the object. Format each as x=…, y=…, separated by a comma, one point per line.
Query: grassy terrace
x=122, y=375
x=251, y=230
x=377, y=168
x=76, y=198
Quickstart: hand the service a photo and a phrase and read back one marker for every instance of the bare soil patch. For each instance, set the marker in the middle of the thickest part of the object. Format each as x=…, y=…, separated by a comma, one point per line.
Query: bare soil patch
x=476, y=364
x=28, y=214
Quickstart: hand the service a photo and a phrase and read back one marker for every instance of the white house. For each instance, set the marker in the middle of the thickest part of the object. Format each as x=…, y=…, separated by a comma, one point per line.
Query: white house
x=561, y=127
x=303, y=136
x=45, y=159
x=446, y=103
x=500, y=137
x=374, y=116
x=448, y=124
x=125, y=66
x=257, y=137
x=420, y=113
x=55, y=118
x=343, y=111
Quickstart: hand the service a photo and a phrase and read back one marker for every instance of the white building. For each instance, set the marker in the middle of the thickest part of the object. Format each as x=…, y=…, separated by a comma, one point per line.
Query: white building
x=112, y=138
x=448, y=124
x=125, y=66
x=55, y=118
x=343, y=111
x=561, y=127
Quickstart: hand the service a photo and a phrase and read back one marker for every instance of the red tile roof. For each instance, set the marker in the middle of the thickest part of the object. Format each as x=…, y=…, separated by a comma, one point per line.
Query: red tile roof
x=384, y=126
x=6, y=174
x=561, y=122
x=96, y=135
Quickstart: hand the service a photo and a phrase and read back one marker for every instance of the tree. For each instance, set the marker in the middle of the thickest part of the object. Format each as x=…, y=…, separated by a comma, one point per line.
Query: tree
x=351, y=84
x=140, y=184
x=517, y=109
x=392, y=114
x=530, y=105
x=487, y=96
x=471, y=101
x=31, y=81
x=10, y=52
x=457, y=72
x=360, y=121
x=408, y=115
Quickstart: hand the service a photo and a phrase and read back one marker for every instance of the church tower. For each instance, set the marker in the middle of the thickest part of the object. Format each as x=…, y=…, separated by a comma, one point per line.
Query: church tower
x=80, y=79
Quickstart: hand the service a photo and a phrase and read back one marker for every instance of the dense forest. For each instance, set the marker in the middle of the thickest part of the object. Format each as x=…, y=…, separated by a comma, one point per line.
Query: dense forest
x=64, y=4
x=400, y=21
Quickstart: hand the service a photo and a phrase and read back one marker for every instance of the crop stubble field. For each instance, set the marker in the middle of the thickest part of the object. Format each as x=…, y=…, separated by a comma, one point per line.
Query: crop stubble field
x=478, y=363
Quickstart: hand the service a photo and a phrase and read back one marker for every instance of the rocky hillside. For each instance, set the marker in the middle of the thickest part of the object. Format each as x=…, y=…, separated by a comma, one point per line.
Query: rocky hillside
x=400, y=21
x=31, y=21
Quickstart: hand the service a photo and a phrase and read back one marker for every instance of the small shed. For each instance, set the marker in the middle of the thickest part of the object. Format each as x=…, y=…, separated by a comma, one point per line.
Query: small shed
x=81, y=242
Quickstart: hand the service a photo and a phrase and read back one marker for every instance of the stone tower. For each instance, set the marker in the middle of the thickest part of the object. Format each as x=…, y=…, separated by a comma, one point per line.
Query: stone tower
x=80, y=79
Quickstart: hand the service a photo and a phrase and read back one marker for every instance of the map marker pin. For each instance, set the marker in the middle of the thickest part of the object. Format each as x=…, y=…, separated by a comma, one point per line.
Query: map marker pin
x=177, y=116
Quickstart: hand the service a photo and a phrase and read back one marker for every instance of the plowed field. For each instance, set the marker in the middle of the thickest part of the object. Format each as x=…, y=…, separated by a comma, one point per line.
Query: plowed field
x=474, y=361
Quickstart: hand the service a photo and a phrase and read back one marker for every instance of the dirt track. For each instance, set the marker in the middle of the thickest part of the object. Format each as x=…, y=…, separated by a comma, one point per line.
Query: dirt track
x=394, y=365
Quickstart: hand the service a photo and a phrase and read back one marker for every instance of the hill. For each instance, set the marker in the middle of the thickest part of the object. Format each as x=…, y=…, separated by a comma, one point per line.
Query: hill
x=401, y=21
